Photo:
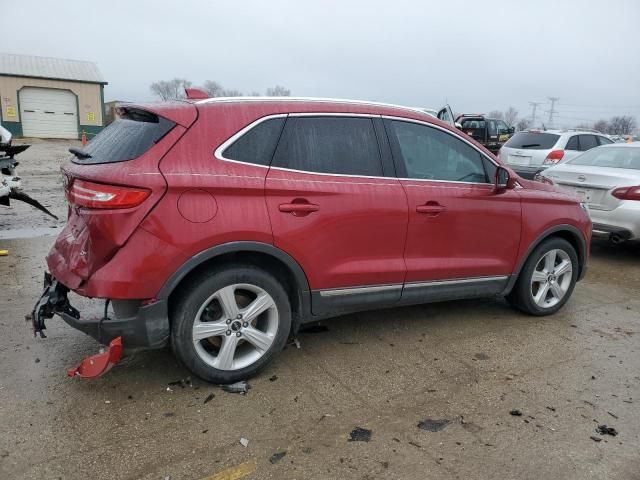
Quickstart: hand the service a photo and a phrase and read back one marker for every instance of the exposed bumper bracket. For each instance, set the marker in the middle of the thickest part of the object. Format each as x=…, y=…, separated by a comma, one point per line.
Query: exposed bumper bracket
x=52, y=301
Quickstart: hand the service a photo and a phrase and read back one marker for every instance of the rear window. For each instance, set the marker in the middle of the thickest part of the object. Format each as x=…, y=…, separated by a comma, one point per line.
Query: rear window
x=532, y=140
x=613, y=157
x=125, y=139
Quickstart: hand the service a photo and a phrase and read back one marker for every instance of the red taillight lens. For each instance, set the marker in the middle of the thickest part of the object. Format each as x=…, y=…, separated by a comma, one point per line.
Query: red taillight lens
x=97, y=195
x=627, y=193
x=554, y=156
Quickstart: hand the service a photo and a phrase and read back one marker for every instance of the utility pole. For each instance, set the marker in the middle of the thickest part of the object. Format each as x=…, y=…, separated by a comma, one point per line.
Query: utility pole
x=552, y=111
x=534, y=107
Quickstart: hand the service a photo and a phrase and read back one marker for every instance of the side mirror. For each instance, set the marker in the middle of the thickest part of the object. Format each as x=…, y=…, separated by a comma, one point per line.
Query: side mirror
x=504, y=180
x=512, y=130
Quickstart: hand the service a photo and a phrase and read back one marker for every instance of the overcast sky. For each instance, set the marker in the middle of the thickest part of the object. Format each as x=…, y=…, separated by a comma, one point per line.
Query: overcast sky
x=478, y=56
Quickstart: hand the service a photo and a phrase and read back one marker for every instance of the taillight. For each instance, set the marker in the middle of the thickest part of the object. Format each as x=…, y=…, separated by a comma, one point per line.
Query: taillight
x=98, y=195
x=627, y=193
x=554, y=157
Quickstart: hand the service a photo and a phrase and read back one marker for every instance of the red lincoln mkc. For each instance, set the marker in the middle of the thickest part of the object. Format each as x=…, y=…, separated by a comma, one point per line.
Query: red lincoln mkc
x=220, y=226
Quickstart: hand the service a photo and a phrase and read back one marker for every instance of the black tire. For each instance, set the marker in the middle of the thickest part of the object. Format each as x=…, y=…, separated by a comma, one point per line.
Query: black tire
x=195, y=294
x=521, y=296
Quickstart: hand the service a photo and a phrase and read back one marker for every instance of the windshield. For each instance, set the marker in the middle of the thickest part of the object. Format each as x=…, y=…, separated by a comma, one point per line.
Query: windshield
x=613, y=157
x=533, y=140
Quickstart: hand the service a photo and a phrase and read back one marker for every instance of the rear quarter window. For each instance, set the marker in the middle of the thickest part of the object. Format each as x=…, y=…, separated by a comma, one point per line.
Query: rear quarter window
x=126, y=138
x=256, y=145
x=532, y=140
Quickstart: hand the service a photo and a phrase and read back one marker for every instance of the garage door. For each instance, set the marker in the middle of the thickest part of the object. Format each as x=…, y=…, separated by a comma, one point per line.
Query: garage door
x=48, y=113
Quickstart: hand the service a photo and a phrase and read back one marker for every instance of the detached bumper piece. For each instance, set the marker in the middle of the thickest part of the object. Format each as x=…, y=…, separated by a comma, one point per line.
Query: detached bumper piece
x=99, y=364
x=53, y=301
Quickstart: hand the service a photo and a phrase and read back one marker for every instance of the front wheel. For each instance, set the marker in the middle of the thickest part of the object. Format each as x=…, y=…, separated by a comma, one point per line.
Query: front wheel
x=227, y=325
x=547, y=278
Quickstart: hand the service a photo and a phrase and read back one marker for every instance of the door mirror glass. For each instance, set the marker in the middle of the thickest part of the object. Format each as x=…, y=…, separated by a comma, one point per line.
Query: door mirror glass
x=503, y=179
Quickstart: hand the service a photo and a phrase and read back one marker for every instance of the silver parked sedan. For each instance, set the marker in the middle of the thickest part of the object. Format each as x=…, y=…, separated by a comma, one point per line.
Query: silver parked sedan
x=608, y=179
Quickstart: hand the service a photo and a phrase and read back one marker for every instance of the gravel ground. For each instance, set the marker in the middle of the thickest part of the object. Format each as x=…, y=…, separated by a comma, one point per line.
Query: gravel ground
x=470, y=363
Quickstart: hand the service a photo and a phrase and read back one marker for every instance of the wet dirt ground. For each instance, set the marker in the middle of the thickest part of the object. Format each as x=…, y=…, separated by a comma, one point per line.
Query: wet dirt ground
x=470, y=363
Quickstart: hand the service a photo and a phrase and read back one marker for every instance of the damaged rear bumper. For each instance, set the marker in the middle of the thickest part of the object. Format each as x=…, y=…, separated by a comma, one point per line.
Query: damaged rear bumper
x=140, y=324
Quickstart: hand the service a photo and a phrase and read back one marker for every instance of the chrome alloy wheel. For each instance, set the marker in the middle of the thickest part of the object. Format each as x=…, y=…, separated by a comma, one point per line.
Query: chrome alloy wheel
x=235, y=326
x=551, y=278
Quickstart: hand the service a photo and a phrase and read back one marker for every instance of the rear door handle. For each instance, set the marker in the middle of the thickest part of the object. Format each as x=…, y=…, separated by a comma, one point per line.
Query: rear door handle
x=298, y=208
x=431, y=208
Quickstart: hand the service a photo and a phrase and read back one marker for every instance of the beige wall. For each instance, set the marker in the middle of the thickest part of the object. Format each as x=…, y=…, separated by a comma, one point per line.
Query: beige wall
x=88, y=94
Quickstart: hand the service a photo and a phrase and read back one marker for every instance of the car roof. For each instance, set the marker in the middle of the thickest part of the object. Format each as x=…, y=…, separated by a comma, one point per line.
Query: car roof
x=564, y=131
x=621, y=145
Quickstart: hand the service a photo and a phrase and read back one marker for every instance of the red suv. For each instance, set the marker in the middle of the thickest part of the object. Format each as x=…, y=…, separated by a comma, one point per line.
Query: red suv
x=221, y=225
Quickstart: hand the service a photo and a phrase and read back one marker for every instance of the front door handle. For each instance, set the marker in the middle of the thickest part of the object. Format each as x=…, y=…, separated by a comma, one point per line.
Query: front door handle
x=431, y=208
x=298, y=208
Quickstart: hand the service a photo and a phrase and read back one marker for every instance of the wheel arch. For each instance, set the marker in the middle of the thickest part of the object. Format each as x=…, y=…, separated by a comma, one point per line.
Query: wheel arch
x=565, y=231
x=271, y=258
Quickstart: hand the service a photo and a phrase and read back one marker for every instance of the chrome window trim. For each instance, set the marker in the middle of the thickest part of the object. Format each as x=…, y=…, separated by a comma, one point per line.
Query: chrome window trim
x=334, y=292
x=218, y=151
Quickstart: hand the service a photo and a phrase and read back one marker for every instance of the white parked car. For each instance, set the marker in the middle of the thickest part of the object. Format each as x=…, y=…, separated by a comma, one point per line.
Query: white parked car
x=608, y=179
x=531, y=151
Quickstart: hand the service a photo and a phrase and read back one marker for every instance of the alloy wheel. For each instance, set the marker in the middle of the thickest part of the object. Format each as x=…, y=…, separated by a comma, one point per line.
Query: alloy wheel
x=235, y=326
x=551, y=278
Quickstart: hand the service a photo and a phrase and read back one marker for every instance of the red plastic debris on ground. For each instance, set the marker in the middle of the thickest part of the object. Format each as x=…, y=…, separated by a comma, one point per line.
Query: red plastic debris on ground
x=99, y=364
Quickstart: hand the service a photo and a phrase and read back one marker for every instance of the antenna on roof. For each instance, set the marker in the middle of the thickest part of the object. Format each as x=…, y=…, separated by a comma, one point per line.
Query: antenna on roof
x=195, y=94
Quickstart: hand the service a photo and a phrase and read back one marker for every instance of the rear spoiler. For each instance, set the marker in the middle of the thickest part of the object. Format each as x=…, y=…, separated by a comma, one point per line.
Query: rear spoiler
x=182, y=113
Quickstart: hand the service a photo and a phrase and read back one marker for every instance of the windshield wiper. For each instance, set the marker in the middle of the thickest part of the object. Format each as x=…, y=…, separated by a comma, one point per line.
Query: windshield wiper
x=529, y=145
x=81, y=154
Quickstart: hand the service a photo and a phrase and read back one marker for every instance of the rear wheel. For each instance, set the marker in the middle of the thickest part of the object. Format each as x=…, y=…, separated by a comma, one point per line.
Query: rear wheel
x=229, y=324
x=547, y=278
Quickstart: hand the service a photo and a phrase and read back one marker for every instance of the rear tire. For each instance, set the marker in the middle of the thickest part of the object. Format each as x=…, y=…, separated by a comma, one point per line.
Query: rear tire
x=228, y=324
x=547, y=278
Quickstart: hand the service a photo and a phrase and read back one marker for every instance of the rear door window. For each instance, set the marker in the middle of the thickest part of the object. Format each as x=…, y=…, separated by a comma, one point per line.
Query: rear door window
x=125, y=139
x=587, y=142
x=532, y=140
x=258, y=144
x=572, y=144
x=336, y=145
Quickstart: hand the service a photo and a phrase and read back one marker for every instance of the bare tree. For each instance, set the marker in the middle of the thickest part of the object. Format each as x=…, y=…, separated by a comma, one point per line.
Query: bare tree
x=496, y=114
x=213, y=88
x=601, y=125
x=278, y=91
x=170, y=89
x=229, y=92
x=255, y=94
x=523, y=124
x=511, y=116
x=622, y=125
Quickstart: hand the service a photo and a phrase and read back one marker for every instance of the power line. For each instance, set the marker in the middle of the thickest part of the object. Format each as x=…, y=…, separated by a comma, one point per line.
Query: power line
x=552, y=111
x=534, y=106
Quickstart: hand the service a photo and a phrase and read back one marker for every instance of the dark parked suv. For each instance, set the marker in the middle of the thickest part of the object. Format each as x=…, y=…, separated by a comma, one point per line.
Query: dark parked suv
x=221, y=225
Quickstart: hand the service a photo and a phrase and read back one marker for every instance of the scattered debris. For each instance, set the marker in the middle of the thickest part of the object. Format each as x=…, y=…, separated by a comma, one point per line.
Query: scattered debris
x=595, y=439
x=276, y=457
x=296, y=342
x=360, y=435
x=604, y=430
x=273, y=378
x=313, y=329
x=306, y=450
x=433, y=425
x=417, y=445
x=551, y=408
x=613, y=415
x=107, y=401
x=241, y=387
x=182, y=383
x=169, y=414
x=244, y=442
x=210, y=397
x=130, y=397
x=481, y=356
x=515, y=413
x=205, y=430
